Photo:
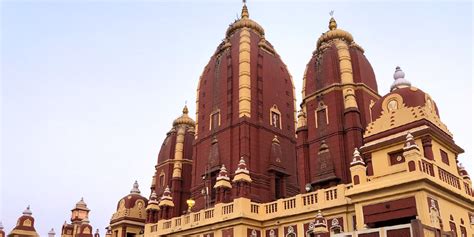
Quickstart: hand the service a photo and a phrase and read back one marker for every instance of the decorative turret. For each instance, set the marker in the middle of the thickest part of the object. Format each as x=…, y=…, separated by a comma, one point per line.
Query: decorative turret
x=25, y=226
x=223, y=178
x=130, y=212
x=411, y=152
x=97, y=234
x=80, y=211
x=166, y=204
x=80, y=225
x=242, y=174
x=152, y=209
x=357, y=158
x=358, y=169
x=166, y=199
x=320, y=225
x=242, y=179
x=410, y=143
x=223, y=186
x=51, y=233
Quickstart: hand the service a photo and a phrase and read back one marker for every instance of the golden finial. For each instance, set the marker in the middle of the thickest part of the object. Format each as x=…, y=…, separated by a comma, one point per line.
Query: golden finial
x=185, y=109
x=245, y=11
x=332, y=22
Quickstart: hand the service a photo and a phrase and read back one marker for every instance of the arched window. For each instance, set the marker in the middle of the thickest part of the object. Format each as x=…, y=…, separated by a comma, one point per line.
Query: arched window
x=275, y=117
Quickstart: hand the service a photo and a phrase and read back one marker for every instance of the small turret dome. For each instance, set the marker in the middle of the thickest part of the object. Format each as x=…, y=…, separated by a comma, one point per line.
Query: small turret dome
x=403, y=105
x=402, y=93
x=184, y=119
x=130, y=200
x=245, y=21
x=131, y=207
x=82, y=205
x=334, y=33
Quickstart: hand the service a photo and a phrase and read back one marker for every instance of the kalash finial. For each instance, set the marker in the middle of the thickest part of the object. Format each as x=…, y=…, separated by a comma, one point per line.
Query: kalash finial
x=399, y=79
x=185, y=109
x=332, y=22
x=245, y=11
x=135, y=188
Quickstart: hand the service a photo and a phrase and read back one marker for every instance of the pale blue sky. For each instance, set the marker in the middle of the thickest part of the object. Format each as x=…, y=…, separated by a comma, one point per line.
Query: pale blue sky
x=90, y=88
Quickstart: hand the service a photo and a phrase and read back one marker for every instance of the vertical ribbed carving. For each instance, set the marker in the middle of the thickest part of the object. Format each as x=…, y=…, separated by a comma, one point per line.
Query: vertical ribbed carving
x=244, y=73
x=347, y=80
x=178, y=153
x=197, y=108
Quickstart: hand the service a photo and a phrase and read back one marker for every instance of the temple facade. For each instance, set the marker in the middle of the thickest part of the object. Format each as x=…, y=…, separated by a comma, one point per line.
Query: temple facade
x=25, y=226
x=80, y=225
x=350, y=162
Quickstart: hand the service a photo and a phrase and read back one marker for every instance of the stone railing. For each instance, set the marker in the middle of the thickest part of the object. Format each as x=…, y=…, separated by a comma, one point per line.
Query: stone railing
x=417, y=167
x=299, y=204
x=454, y=182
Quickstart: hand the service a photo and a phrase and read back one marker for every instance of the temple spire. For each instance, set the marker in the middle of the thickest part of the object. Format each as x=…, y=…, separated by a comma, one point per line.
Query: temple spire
x=185, y=109
x=332, y=21
x=245, y=11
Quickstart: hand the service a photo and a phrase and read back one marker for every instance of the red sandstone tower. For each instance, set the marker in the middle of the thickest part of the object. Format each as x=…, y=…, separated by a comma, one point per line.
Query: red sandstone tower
x=173, y=169
x=245, y=109
x=339, y=88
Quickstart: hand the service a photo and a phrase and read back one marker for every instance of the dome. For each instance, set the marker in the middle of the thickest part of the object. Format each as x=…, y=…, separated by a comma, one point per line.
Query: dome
x=167, y=150
x=130, y=200
x=245, y=21
x=408, y=96
x=25, y=225
x=82, y=205
x=402, y=93
x=184, y=119
x=334, y=33
x=405, y=104
x=323, y=69
x=131, y=207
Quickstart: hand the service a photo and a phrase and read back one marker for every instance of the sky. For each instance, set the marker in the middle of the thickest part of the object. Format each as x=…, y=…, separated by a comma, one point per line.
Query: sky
x=90, y=88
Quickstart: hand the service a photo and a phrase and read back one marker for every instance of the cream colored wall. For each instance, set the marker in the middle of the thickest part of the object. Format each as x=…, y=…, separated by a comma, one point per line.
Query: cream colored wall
x=452, y=168
x=448, y=206
x=381, y=161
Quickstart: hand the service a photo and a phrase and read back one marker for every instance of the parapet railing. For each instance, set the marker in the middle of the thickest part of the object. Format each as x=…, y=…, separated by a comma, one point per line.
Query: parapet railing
x=243, y=207
x=458, y=185
x=428, y=169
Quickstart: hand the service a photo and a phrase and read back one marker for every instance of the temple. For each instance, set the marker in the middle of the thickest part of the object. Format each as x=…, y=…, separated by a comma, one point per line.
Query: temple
x=349, y=162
